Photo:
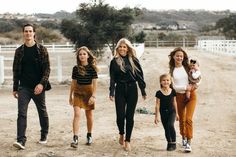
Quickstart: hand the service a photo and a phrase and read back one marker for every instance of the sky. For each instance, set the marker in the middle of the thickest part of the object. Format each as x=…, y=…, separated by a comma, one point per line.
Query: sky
x=52, y=6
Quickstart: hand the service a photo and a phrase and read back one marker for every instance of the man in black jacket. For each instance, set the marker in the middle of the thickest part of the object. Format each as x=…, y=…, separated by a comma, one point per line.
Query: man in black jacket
x=31, y=69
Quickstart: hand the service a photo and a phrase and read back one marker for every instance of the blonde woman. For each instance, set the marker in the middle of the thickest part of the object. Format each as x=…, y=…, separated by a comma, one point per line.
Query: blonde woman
x=83, y=91
x=125, y=71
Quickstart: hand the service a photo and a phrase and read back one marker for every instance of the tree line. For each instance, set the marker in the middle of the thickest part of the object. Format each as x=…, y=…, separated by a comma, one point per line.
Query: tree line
x=96, y=25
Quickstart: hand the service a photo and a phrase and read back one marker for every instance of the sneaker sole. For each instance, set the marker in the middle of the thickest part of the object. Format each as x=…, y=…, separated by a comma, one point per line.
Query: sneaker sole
x=74, y=146
x=42, y=142
x=187, y=150
x=19, y=146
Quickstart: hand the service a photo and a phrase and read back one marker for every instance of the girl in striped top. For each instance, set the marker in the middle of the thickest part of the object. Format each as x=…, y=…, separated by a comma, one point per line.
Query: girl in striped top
x=83, y=91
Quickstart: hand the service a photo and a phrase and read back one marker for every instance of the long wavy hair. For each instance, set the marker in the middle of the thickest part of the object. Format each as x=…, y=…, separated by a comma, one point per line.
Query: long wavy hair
x=91, y=60
x=131, y=55
x=172, y=60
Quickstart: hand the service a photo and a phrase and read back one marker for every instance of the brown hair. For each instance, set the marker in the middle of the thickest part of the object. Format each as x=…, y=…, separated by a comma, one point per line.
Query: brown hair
x=91, y=60
x=164, y=76
x=172, y=61
x=28, y=24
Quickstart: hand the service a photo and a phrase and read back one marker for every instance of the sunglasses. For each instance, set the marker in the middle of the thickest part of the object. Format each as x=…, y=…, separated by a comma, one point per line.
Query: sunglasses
x=193, y=61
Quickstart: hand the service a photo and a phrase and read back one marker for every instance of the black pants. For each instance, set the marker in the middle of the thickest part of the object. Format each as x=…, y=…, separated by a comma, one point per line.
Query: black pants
x=24, y=97
x=168, y=120
x=126, y=97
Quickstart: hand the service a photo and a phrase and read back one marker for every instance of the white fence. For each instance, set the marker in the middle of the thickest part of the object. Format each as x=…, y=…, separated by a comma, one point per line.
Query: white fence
x=1, y=69
x=61, y=57
x=224, y=47
x=162, y=43
x=51, y=48
x=6, y=71
x=139, y=49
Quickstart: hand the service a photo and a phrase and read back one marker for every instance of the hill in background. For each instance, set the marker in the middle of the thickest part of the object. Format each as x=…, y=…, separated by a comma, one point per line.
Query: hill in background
x=191, y=20
x=194, y=19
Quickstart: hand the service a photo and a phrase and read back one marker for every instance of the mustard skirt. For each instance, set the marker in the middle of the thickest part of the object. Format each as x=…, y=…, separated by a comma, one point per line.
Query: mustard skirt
x=82, y=94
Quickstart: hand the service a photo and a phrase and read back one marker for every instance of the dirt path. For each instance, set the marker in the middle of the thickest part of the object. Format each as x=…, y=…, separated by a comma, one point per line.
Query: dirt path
x=214, y=118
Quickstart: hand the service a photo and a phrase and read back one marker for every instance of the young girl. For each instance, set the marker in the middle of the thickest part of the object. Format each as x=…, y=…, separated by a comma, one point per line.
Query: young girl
x=167, y=106
x=83, y=91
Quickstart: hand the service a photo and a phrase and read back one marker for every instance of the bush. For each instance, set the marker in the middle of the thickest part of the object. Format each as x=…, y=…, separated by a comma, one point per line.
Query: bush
x=47, y=35
x=6, y=26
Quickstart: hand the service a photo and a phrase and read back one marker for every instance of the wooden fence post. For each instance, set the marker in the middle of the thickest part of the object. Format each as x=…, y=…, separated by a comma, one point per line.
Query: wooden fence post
x=183, y=42
x=1, y=69
x=59, y=69
x=53, y=47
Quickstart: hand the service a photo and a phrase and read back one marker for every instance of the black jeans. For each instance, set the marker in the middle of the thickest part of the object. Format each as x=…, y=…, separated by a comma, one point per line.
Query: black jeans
x=126, y=97
x=168, y=120
x=24, y=97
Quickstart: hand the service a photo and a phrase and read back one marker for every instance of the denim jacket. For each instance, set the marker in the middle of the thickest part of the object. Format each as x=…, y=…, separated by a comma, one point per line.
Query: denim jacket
x=42, y=61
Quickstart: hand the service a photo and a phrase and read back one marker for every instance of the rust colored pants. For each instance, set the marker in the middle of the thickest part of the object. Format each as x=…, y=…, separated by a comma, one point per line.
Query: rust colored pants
x=185, y=111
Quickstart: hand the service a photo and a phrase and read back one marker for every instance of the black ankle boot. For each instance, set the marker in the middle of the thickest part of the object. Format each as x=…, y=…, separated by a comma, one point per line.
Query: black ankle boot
x=74, y=143
x=173, y=146
x=168, y=147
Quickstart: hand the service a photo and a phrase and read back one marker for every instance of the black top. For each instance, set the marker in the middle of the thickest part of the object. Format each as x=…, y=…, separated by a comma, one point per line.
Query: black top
x=118, y=76
x=30, y=75
x=166, y=101
x=42, y=63
x=86, y=79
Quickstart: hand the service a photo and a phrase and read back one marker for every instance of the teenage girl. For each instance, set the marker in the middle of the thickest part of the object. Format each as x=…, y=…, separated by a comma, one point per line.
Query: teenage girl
x=83, y=91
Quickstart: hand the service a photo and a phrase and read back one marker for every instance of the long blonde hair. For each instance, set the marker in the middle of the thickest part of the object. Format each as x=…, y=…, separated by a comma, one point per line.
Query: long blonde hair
x=131, y=55
x=91, y=60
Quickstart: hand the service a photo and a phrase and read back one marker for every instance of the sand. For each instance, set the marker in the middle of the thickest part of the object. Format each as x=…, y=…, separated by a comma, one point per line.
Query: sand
x=214, y=118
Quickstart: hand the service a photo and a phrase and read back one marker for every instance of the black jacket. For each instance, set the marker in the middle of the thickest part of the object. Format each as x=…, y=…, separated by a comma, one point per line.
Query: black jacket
x=118, y=76
x=42, y=61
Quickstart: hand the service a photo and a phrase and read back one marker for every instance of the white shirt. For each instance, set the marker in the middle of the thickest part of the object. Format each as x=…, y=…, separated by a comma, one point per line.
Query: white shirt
x=180, y=79
x=196, y=74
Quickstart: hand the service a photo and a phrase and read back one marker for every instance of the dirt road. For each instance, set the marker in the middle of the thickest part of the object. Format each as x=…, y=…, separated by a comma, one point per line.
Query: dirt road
x=214, y=118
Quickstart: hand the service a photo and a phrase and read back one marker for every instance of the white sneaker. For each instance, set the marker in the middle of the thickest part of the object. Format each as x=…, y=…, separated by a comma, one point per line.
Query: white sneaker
x=74, y=143
x=89, y=140
x=187, y=148
x=184, y=142
x=19, y=145
x=43, y=140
